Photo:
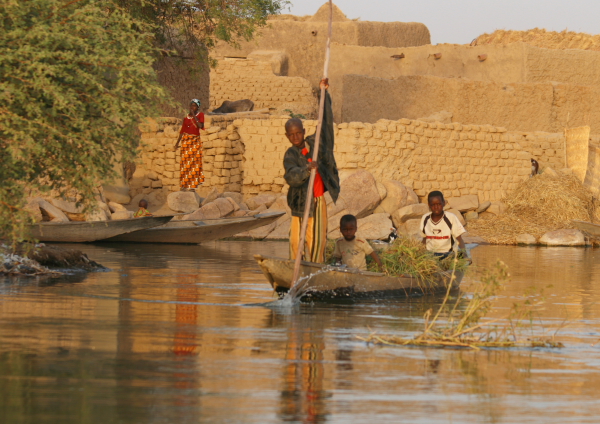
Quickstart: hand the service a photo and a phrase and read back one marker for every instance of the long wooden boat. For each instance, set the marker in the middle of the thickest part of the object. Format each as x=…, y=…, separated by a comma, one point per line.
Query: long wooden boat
x=327, y=282
x=194, y=232
x=587, y=227
x=85, y=231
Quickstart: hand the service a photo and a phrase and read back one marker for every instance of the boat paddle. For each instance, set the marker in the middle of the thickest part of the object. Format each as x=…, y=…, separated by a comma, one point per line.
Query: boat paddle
x=315, y=155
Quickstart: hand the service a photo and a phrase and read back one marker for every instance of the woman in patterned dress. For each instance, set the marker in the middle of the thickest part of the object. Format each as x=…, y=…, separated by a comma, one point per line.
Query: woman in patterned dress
x=191, y=148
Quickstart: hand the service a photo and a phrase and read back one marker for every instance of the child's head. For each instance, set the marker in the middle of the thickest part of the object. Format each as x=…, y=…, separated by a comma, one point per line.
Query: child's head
x=348, y=227
x=294, y=131
x=143, y=204
x=436, y=202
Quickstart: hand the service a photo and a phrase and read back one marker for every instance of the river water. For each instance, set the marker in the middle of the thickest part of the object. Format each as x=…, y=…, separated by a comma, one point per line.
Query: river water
x=177, y=334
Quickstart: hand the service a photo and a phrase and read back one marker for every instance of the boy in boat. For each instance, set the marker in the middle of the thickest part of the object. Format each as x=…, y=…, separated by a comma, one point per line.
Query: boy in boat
x=143, y=210
x=352, y=250
x=441, y=230
x=298, y=162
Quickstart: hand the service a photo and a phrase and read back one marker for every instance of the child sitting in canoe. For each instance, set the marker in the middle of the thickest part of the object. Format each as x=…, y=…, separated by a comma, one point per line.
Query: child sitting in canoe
x=441, y=230
x=352, y=250
x=143, y=209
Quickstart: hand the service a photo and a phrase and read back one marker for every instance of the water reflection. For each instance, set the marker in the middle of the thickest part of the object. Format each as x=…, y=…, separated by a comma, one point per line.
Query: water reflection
x=165, y=336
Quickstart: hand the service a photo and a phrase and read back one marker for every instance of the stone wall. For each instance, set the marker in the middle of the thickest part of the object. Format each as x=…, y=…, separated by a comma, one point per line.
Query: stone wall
x=237, y=79
x=526, y=107
x=246, y=155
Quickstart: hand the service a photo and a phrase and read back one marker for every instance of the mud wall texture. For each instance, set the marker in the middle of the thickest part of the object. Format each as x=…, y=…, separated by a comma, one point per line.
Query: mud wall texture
x=304, y=41
x=546, y=107
x=246, y=155
x=237, y=79
x=503, y=64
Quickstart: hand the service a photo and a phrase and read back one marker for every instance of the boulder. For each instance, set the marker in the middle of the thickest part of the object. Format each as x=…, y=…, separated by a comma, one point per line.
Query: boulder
x=526, y=239
x=121, y=215
x=334, y=208
x=471, y=216
x=280, y=205
x=116, y=207
x=411, y=197
x=226, y=206
x=381, y=189
x=55, y=214
x=497, y=208
x=99, y=214
x=461, y=219
x=563, y=238
x=484, y=206
x=33, y=208
x=105, y=207
x=244, y=206
x=210, y=197
x=486, y=215
x=260, y=209
x=117, y=193
x=210, y=211
x=183, y=201
x=409, y=212
x=375, y=227
x=411, y=228
x=282, y=230
x=67, y=206
x=359, y=193
x=262, y=232
x=262, y=199
x=397, y=196
x=239, y=199
x=463, y=203
x=238, y=214
x=467, y=238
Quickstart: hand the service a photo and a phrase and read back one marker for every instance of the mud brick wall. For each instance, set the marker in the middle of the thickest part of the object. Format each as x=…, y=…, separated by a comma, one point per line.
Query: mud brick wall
x=246, y=155
x=237, y=79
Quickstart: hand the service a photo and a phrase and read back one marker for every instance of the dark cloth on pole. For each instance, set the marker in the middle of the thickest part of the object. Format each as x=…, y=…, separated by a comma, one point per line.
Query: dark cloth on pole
x=297, y=172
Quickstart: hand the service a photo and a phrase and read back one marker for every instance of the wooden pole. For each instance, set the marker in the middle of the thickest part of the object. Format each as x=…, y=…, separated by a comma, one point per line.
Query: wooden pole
x=315, y=155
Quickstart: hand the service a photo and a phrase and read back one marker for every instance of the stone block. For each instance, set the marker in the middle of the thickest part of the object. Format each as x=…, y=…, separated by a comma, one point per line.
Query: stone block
x=463, y=203
x=183, y=201
x=402, y=215
x=526, y=239
x=116, y=207
x=359, y=193
x=563, y=238
x=121, y=215
x=67, y=206
x=375, y=227
x=52, y=211
x=397, y=196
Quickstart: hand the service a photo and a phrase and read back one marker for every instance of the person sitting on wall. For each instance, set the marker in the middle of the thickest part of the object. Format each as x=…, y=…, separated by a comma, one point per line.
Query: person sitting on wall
x=441, y=230
x=143, y=209
x=352, y=251
x=298, y=162
x=190, y=174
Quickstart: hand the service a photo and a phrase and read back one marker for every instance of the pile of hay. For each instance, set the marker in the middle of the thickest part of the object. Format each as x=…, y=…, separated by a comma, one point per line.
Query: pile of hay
x=544, y=203
x=542, y=38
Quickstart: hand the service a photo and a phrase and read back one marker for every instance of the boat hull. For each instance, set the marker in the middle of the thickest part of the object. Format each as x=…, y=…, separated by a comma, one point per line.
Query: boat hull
x=333, y=282
x=587, y=227
x=84, y=231
x=194, y=232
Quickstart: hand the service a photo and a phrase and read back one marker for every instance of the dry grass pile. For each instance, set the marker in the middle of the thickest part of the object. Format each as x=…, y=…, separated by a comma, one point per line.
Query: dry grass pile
x=466, y=329
x=542, y=38
x=538, y=205
x=408, y=256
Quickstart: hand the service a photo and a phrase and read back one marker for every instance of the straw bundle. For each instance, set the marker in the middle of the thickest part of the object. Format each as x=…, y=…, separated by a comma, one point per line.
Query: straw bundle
x=538, y=205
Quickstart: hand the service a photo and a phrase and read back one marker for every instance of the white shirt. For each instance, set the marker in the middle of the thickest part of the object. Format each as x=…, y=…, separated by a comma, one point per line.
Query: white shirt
x=438, y=235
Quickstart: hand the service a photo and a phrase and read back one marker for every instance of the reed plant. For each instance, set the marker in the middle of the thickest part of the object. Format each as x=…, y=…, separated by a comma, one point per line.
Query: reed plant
x=467, y=328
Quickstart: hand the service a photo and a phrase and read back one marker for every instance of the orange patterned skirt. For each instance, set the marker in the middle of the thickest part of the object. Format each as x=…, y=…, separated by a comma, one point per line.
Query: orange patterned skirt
x=191, y=162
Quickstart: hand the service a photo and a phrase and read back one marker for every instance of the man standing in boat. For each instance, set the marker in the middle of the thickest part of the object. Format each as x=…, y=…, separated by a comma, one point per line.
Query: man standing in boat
x=298, y=162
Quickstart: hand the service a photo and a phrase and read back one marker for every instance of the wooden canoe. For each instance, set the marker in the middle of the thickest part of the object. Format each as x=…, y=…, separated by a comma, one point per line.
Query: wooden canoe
x=329, y=282
x=86, y=231
x=587, y=227
x=194, y=232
